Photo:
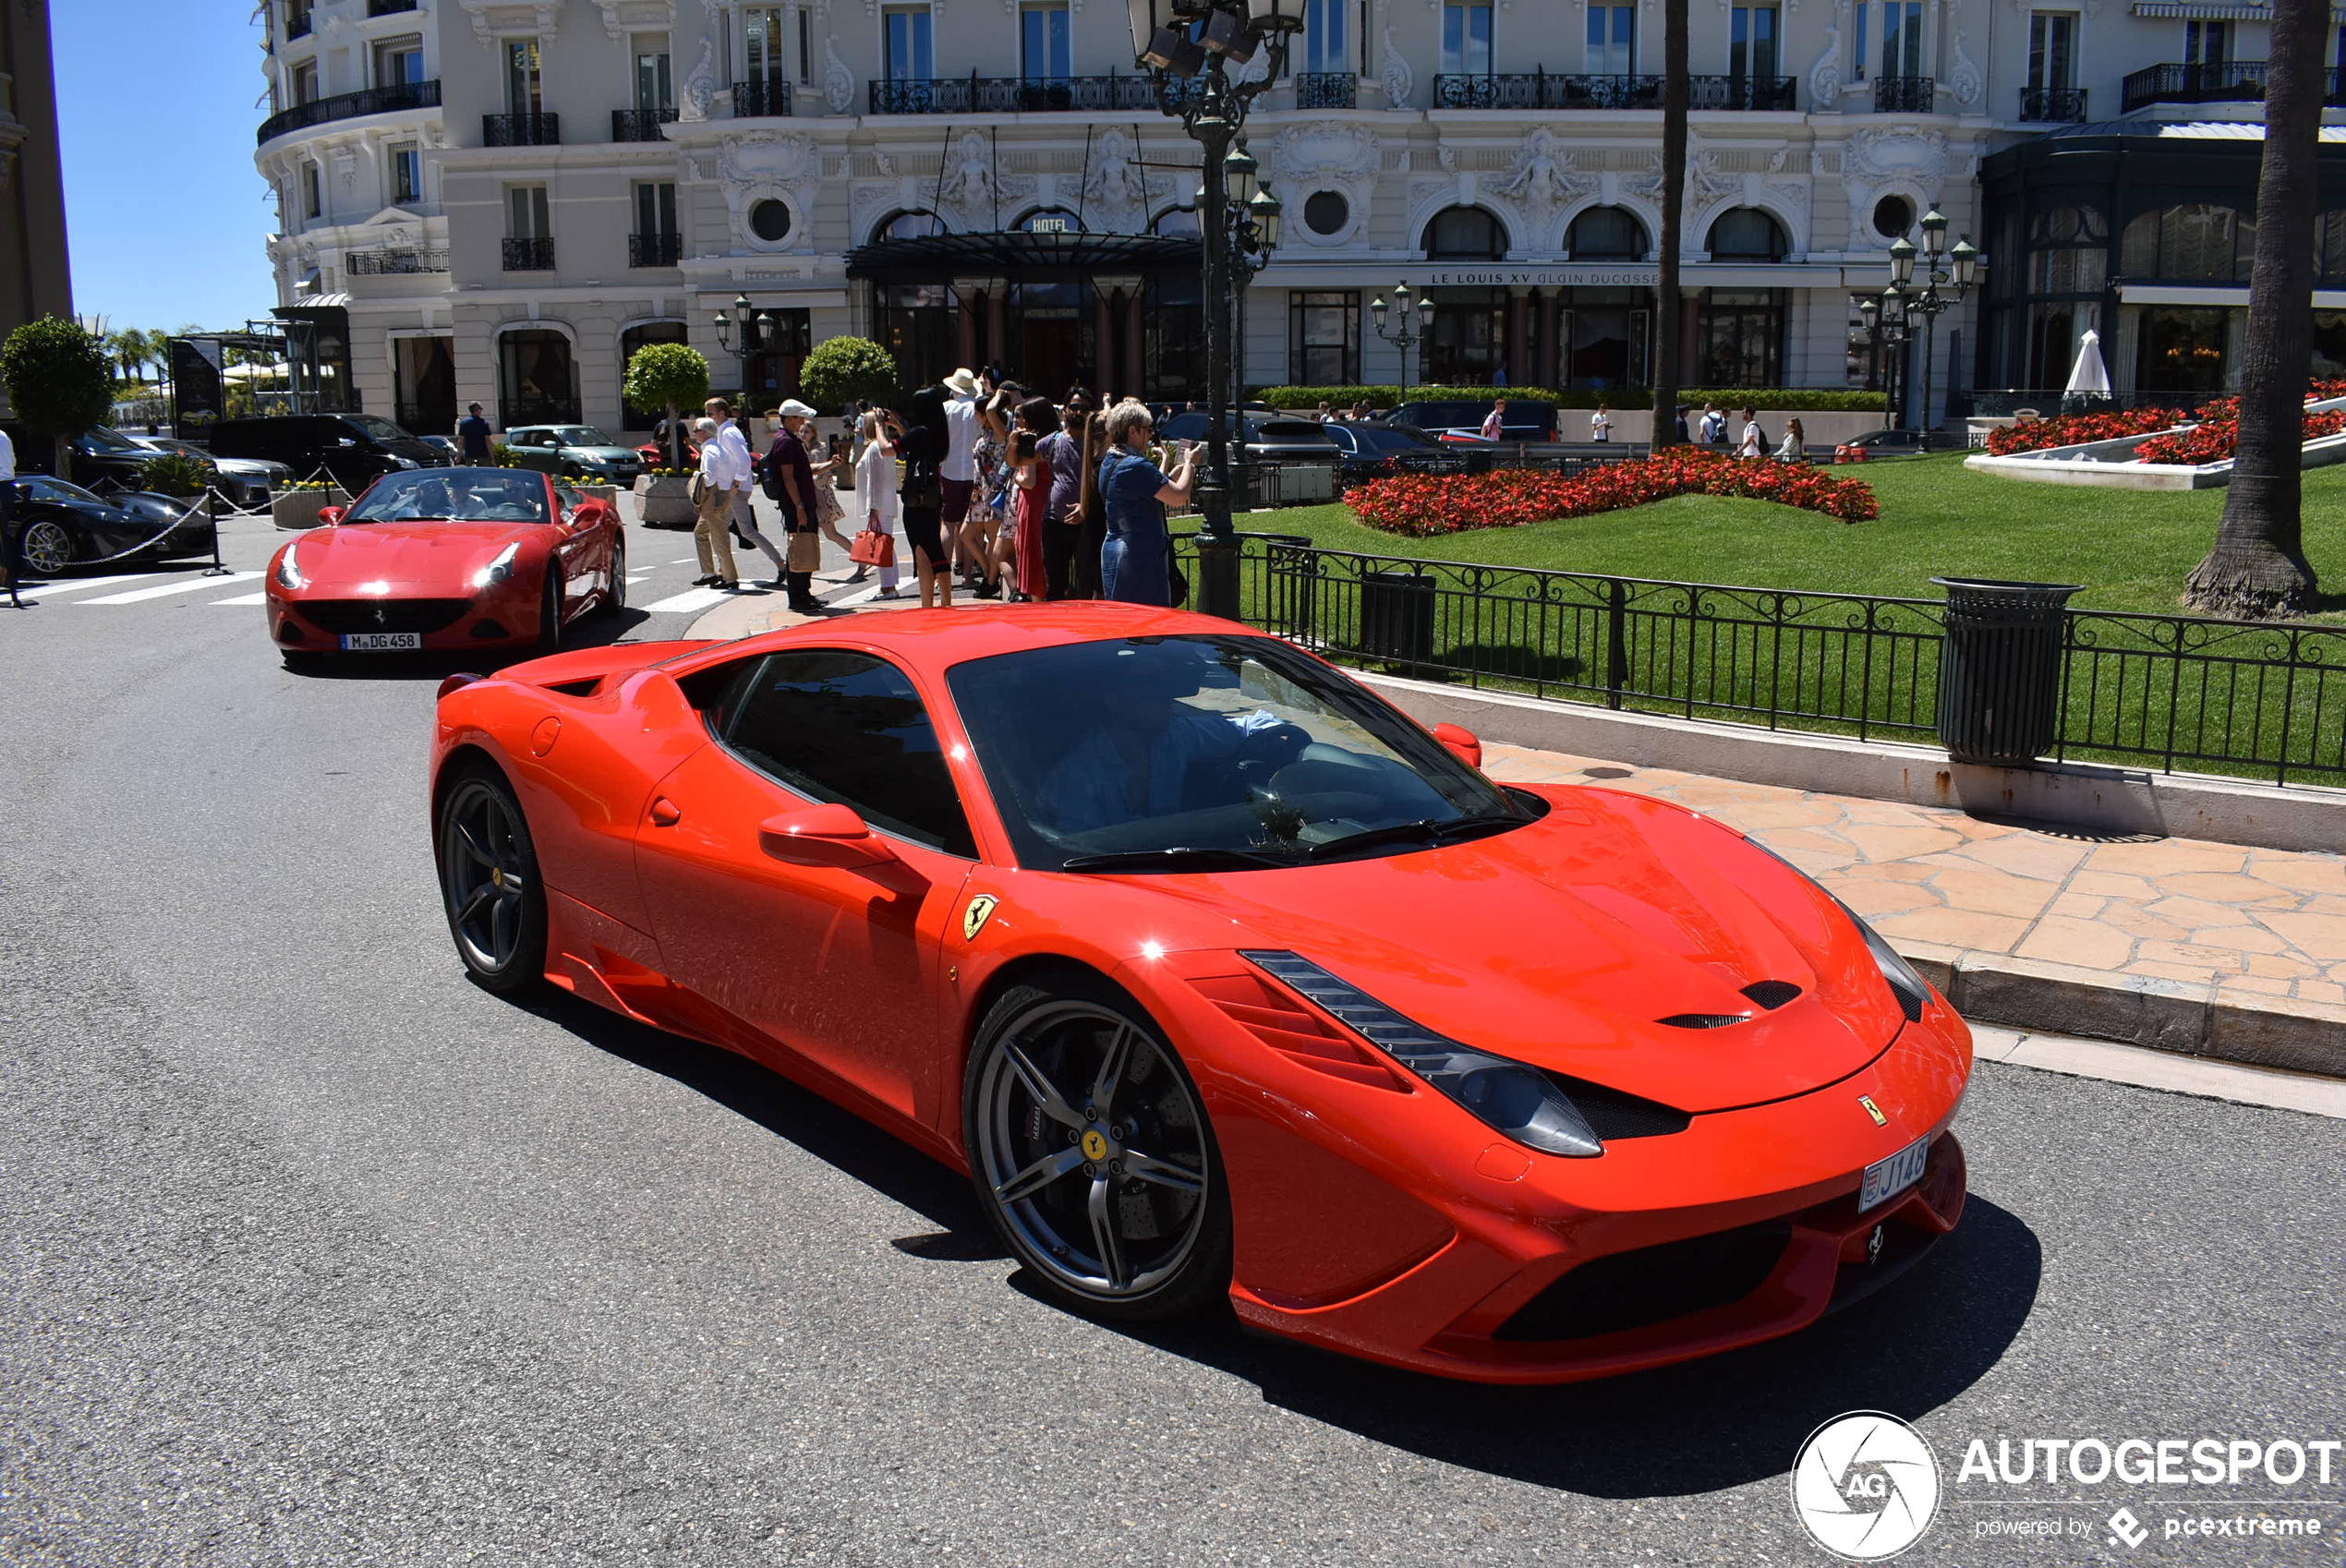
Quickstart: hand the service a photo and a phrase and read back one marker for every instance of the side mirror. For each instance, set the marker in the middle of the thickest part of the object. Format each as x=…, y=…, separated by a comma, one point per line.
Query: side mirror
x=831, y=835
x=1462, y=744
x=330, y=515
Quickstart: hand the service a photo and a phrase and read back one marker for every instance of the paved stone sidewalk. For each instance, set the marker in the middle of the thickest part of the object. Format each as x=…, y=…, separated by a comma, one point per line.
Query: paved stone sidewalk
x=2252, y=923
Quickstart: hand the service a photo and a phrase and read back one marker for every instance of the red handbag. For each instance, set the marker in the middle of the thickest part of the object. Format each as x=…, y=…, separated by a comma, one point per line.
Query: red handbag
x=872, y=548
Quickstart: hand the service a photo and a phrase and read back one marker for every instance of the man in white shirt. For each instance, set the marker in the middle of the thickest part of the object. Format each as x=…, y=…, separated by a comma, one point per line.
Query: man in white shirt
x=710, y=535
x=744, y=515
x=1496, y=421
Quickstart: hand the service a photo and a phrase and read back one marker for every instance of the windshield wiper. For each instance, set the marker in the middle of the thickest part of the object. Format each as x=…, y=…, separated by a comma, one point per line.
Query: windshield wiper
x=1428, y=831
x=1180, y=857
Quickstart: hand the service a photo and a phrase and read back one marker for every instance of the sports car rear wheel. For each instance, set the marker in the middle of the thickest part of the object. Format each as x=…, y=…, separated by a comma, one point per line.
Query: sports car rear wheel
x=1091, y=1153
x=488, y=883
x=45, y=548
x=615, y=597
x=550, y=612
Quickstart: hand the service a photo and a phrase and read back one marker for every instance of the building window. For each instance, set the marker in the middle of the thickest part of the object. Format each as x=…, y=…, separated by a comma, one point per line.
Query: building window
x=1860, y=48
x=1603, y=333
x=407, y=175
x=1612, y=40
x=1902, y=38
x=1751, y=46
x=910, y=55
x=1180, y=223
x=2052, y=51
x=1323, y=339
x=313, y=192
x=527, y=216
x=1326, y=211
x=1466, y=37
x=1043, y=47
x=2180, y=349
x=805, y=44
x=1465, y=234
x=919, y=324
x=1740, y=337
x=1748, y=233
x=297, y=19
x=1465, y=337
x=524, y=88
x=2067, y=251
x=769, y=221
x=762, y=35
x=536, y=379
x=656, y=208
x=2191, y=243
x=2208, y=44
x=304, y=83
x=1606, y=234
x=399, y=62
x=1325, y=48
x=909, y=225
x=1893, y=215
x=2330, y=245
x=655, y=83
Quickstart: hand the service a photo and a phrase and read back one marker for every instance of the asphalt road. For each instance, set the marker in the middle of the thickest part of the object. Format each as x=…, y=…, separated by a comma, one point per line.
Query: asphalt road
x=315, y=1253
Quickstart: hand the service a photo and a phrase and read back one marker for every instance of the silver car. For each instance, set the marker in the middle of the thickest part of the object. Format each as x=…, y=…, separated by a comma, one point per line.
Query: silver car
x=576, y=452
x=245, y=482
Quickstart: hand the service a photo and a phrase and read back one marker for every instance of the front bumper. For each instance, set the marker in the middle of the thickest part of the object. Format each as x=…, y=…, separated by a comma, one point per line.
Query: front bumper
x=497, y=616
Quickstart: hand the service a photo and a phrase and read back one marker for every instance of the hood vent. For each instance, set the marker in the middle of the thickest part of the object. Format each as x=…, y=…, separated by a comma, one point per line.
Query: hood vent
x=1702, y=1020
x=1772, y=994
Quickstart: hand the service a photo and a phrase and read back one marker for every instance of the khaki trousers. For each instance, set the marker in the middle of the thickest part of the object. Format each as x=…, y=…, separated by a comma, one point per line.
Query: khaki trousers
x=712, y=538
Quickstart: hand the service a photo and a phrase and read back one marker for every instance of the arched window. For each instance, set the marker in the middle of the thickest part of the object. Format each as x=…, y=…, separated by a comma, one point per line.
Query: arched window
x=916, y=224
x=1465, y=234
x=2192, y=244
x=2068, y=252
x=631, y=340
x=1176, y=223
x=537, y=379
x=1050, y=221
x=1606, y=234
x=1747, y=234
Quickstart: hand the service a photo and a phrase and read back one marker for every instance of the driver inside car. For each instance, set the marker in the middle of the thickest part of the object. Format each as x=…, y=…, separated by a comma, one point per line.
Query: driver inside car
x=1143, y=747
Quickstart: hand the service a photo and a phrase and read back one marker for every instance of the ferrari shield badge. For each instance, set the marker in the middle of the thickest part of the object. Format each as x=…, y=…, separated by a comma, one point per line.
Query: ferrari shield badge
x=974, y=918
x=1873, y=1110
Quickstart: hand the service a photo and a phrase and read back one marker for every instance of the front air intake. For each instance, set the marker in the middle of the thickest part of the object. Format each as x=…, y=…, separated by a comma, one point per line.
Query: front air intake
x=1772, y=994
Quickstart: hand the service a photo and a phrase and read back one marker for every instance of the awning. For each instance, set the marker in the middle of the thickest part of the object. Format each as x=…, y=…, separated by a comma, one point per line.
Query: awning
x=931, y=259
x=2204, y=10
x=311, y=303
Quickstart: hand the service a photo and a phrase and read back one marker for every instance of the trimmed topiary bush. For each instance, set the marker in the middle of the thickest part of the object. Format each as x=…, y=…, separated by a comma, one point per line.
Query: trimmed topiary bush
x=841, y=372
x=60, y=381
x=666, y=376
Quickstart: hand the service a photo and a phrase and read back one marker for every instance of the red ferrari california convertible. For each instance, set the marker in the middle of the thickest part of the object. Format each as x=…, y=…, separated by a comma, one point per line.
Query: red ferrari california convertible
x=1221, y=977
x=448, y=557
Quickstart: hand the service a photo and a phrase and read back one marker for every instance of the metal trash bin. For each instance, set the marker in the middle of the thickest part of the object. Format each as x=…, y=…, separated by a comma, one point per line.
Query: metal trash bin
x=2000, y=668
x=1397, y=616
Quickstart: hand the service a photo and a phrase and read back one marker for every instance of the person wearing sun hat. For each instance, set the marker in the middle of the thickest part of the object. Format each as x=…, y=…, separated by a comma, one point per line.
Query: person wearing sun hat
x=957, y=474
x=790, y=482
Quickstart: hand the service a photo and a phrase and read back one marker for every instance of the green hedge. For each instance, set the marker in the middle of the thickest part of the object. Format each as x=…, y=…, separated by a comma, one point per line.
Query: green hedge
x=1778, y=398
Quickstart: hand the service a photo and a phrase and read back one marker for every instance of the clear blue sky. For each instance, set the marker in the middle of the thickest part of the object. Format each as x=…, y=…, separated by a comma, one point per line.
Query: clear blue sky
x=164, y=212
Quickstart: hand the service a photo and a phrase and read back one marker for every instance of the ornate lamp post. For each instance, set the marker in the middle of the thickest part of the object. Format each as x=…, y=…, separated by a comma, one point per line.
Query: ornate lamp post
x=1946, y=275
x=1884, y=315
x=1255, y=219
x=1188, y=47
x=1408, y=330
x=751, y=328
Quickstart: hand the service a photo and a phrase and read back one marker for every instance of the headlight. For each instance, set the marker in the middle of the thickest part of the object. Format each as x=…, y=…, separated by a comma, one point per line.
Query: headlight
x=288, y=575
x=404, y=461
x=1515, y=1097
x=499, y=569
x=1911, y=990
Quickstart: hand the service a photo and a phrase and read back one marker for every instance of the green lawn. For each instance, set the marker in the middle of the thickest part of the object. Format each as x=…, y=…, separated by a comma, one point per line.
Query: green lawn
x=2131, y=549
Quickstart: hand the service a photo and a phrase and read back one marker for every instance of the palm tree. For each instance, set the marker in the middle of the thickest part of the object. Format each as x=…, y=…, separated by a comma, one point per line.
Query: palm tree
x=1667, y=347
x=2257, y=569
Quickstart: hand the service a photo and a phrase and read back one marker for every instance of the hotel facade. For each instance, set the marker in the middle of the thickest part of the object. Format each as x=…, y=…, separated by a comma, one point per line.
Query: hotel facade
x=497, y=200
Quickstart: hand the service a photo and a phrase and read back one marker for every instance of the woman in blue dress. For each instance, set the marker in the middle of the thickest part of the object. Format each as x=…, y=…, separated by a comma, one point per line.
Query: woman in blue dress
x=1135, y=492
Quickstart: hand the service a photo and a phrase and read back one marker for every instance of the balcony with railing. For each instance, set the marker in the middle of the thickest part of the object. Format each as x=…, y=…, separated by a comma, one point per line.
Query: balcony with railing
x=388, y=8
x=350, y=105
x=1904, y=95
x=1539, y=89
x=297, y=22
x=1327, y=89
x=521, y=130
x=1007, y=95
x=655, y=250
x=529, y=255
x=639, y=124
x=406, y=261
x=761, y=100
x=2059, y=104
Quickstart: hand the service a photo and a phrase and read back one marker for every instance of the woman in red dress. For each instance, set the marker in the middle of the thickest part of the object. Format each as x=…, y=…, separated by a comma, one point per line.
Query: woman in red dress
x=1036, y=419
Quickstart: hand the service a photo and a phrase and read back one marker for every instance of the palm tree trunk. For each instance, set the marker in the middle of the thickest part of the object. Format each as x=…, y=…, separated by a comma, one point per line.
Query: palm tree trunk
x=1668, y=347
x=2257, y=569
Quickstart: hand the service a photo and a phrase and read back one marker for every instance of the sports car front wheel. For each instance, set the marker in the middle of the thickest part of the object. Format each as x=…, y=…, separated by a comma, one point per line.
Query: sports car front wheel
x=488, y=883
x=1091, y=1153
x=45, y=548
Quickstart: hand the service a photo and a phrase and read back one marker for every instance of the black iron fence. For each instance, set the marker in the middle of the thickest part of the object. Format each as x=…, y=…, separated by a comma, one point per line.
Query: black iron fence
x=529, y=255
x=392, y=264
x=752, y=100
x=2060, y=104
x=350, y=105
x=639, y=124
x=2148, y=691
x=1326, y=89
x=974, y=95
x=1539, y=89
x=1904, y=95
x=521, y=130
x=655, y=250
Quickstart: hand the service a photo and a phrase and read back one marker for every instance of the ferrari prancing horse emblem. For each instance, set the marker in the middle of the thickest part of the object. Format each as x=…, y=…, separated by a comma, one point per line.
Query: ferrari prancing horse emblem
x=975, y=917
x=1873, y=1110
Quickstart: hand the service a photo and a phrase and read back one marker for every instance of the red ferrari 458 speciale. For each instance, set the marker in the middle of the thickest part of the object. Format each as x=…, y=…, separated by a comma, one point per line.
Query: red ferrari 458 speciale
x=1220, y=976
x=448, y=557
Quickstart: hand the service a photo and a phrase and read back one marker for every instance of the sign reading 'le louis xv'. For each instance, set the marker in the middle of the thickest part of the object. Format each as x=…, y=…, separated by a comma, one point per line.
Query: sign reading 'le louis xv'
x=1566, y=275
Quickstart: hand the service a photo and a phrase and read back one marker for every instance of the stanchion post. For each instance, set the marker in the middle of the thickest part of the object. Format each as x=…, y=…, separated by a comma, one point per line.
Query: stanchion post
x=212, y=507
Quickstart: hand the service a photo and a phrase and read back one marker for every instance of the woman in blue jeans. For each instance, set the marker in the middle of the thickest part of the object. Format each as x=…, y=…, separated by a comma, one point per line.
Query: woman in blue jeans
x=1135, y=494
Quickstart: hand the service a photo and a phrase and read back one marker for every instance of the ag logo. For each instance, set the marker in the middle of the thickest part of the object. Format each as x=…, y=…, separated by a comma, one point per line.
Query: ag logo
x=1864, y=1486
x=974, y=918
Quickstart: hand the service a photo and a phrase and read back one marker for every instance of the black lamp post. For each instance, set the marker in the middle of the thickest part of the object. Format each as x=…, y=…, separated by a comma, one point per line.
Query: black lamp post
x=1412, y=323
x=1256, y=217
x=1884, y=315
x=1188, y=47
x=1946, y=275
x=751, y=328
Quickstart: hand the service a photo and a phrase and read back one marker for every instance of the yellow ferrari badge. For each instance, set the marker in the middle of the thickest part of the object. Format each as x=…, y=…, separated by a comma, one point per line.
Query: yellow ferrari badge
x=974, y=918
x=1095, y=1146
x=1873, y=1110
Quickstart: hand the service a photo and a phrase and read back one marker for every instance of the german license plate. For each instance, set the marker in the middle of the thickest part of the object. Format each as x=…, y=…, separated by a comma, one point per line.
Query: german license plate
x=1886, y=1179
x=380, y=641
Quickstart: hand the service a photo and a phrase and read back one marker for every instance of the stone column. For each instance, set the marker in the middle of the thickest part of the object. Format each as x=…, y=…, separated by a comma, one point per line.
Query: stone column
x=1518, y=329
x=968, y=325
x=1550, y=362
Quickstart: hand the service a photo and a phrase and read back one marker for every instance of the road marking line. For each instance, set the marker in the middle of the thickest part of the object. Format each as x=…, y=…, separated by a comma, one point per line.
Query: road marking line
x=245, y=598
x=144, y=594
x=683, y=560
x=75, y=585
x=639, y=576
x=689, y=601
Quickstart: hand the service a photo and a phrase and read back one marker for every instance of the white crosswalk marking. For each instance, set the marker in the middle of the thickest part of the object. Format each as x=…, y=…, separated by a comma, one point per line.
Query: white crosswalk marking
x=245, y=598
x=689, y=601
x=140, y=594
x=76, y=585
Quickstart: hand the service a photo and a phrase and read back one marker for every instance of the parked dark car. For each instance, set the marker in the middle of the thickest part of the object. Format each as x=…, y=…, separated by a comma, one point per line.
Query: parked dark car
x=61, y=526
x=1268, y=437
x=244, y=482
x=103, y=459
x=353, y=448
x=1526, y=420
x=1377, y=451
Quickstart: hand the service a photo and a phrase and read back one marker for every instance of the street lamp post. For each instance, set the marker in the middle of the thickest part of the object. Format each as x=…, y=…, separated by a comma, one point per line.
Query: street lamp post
x=1412, y=323
x=1256, y=217
x=1884, y=315
x=1946, y=275
x=751, y=328
x=1188, y=46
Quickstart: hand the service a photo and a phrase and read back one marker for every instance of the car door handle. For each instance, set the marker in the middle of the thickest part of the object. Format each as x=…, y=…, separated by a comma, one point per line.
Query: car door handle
x=666, y=812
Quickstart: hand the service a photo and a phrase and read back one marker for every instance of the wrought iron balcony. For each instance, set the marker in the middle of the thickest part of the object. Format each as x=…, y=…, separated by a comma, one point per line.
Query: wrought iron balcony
x=2227, y=82
x=1904, y=95
x=761, y=100
x=395, y=263
x=521, y=130
x=1004, y=95
x=1326, y=89
x=529, y=255
x=655, y=250
x=350, y=105
x=388, y=8
x=2053, y=103
x=298, y=24
x=639, y=124
x=1541, y=90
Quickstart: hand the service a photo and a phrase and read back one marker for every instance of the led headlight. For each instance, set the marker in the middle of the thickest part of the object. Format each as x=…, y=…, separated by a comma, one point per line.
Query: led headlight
x=288, y=575
x=1515, y=1097
x=499, y=569
x=1912, y=991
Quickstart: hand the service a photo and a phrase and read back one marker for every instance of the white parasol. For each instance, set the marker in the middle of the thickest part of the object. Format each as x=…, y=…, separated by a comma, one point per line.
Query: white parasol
x=2090, y=375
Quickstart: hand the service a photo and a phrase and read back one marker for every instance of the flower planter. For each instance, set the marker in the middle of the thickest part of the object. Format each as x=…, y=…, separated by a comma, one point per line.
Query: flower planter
x=665, y=503
x=299, y=509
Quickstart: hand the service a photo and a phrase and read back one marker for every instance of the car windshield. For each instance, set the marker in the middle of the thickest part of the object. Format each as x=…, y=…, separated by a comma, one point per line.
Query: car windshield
x=98, y=437
x=1207, y=754
x=45, y=488
x=457, y=495
x=378, y=427
x=582, y=435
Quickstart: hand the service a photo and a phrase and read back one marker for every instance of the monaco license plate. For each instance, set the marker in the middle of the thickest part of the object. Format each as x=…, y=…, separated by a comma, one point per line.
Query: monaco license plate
x=1886, y=1179
x=380, y=641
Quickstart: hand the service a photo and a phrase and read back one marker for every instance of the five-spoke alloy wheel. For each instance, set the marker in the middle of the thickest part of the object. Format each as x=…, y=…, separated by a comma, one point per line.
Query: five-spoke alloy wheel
x=1092, y=1151
x=489, y=885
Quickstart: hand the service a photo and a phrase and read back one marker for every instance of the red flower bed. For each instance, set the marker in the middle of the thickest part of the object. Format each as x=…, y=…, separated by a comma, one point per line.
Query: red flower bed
x=1422, y=505
x=2075, y=429
x=2214, y=439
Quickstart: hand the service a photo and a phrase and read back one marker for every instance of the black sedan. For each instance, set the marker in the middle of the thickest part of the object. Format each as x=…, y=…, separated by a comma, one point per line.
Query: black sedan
x=1377, y=451
x=59, y=526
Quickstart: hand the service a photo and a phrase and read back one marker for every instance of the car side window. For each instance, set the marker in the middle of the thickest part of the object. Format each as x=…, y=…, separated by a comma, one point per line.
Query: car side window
x=848, y=727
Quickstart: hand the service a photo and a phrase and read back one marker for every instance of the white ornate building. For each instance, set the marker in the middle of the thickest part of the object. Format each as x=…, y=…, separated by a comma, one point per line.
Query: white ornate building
x=495, y=201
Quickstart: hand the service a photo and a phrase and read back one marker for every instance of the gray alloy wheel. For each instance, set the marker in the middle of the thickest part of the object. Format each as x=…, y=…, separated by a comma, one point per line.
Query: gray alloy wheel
x=1091, y=1153
x=489, y=883
x=45, y=548
x=615, y=597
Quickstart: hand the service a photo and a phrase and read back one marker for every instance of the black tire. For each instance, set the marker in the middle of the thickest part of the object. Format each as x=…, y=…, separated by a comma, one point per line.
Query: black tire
x=44, y=548
x=489, y=886
x=549, y=611
x=615, y=598
x=1060, y=1174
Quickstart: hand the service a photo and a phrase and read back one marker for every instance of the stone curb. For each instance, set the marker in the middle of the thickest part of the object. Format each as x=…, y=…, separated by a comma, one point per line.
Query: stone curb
x=2184, y=1018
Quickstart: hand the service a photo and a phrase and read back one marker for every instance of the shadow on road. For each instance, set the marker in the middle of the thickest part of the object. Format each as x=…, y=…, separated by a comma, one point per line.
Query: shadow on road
x=1715, y=1423
x=592, y=632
